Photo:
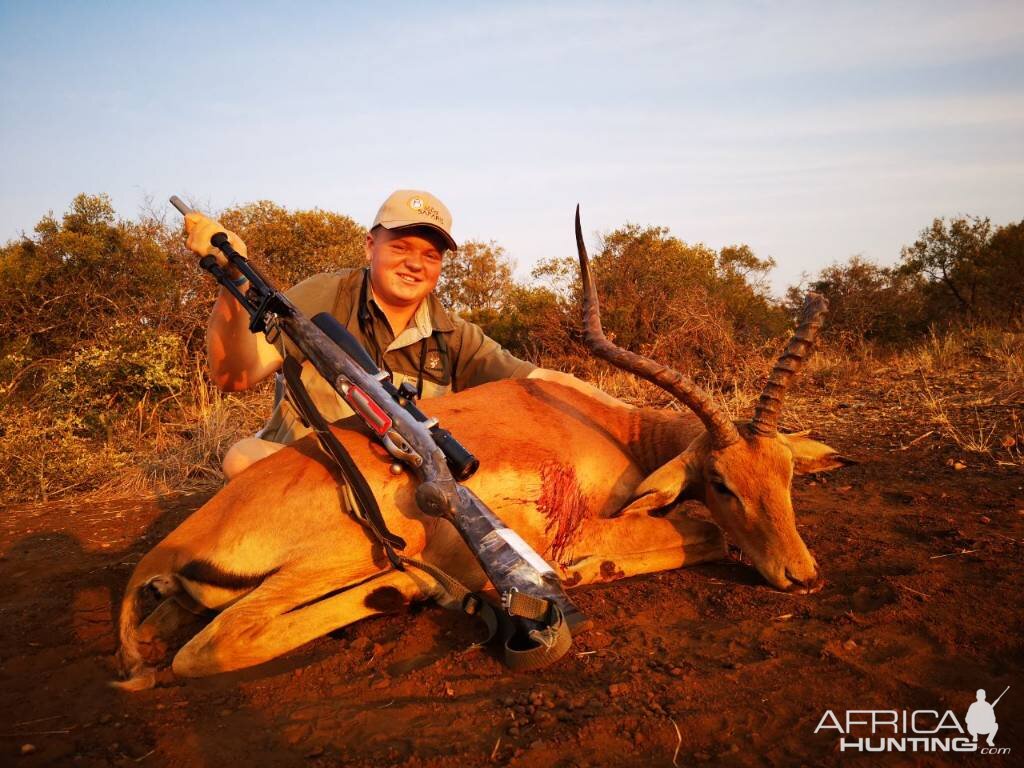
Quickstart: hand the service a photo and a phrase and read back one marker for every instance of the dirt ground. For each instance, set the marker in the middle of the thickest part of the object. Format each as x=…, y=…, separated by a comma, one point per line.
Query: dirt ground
x=699, y=666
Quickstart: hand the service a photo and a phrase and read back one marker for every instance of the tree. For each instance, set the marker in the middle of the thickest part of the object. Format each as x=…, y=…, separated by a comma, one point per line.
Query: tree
x=738, y=262
x=742, y=283
x=77, y=276
x=476, y=278
x=1004, y=255
x=685, y=305
x=531, y=324
x=952, y=258
x=652, y=282
x=970, y=271
x=295, y=245
x=867, y=302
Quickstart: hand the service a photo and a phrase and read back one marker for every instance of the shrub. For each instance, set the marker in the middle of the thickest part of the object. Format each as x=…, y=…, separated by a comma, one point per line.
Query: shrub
x=867, y=303
x=970, y=272
x=76, y=277
x=42, y=457
x=102, y=326
x=684, y=305
x=126, y=364
x=293, y=245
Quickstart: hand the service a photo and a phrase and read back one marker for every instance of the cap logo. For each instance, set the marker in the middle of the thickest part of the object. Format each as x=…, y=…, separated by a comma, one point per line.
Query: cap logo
x=415, y=203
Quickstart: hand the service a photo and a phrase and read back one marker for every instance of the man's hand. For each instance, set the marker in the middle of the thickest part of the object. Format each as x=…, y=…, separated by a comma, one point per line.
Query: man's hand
x=568, y=380
x=200, y=229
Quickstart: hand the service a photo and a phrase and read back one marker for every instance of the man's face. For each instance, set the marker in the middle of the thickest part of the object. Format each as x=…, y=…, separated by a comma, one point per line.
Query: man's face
x=404, y=264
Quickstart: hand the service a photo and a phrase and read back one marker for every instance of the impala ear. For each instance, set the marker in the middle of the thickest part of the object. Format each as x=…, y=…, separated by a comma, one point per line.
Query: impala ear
x=810, y=456
x=665, y=484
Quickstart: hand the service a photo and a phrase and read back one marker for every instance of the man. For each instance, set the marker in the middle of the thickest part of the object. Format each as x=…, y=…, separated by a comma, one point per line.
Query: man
x=389, y=306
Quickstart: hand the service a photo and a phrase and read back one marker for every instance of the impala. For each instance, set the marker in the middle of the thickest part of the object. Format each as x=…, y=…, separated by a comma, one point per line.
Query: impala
x=594, y=488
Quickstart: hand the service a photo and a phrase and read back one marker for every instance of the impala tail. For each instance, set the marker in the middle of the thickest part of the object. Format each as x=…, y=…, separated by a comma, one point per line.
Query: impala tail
x=157, y=577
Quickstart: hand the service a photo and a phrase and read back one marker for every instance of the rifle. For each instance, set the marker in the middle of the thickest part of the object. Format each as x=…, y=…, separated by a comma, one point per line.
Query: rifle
x=538, y=616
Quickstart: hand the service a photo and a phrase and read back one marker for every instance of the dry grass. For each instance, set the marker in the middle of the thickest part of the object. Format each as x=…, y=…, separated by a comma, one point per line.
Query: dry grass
x=186, y=454
x=996, y=350
x=833, y=369
x=966, y=385
x=173, y=445
x=1007, y=352
x=979, y=432
x=736, y=388
x=970, y=382
x=969, y=431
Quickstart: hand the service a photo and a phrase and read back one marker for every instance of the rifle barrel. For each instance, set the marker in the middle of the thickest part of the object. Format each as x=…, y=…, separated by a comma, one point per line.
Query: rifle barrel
x=178, y=203
x=1000, y=696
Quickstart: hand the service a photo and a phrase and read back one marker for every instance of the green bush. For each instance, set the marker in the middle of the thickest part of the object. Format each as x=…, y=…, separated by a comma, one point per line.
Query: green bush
x=76, y=277
x=43, y=455
x=684, y=305
x=113, y=374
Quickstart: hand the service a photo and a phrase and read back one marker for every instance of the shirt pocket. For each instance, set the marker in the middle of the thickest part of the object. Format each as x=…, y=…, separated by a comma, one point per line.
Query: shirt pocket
x=437, y=367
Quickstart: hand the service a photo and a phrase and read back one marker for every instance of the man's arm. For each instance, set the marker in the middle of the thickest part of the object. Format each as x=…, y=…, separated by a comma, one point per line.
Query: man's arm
x=568, y=380
x=481, y=359
x=237, y=358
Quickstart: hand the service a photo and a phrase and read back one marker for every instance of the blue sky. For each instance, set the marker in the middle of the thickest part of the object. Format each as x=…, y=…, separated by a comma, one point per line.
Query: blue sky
x=810, y=131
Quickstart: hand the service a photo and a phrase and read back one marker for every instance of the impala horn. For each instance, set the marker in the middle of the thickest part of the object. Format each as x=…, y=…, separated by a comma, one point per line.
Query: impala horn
x=715, y=419
x=769, y=405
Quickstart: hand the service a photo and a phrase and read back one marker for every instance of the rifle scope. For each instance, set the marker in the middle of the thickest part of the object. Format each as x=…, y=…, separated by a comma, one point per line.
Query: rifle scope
x=461, y=462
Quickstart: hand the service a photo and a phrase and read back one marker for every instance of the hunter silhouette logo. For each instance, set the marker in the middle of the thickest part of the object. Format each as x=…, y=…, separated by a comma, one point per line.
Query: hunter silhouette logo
x=981, y=717
x=919, y=730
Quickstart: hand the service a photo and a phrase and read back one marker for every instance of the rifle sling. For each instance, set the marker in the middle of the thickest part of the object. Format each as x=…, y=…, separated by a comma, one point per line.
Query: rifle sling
x=368, y=509
x=540, y=648
x=545, y=645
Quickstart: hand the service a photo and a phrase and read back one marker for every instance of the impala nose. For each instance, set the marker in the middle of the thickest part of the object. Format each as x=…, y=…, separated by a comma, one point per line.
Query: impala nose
x=805, y=586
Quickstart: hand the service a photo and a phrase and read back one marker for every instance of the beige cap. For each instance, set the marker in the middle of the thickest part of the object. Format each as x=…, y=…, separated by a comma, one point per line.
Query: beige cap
x=415, y=208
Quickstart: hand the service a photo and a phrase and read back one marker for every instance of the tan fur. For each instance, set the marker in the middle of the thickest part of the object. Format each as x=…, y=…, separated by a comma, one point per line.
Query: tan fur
x=556, y=466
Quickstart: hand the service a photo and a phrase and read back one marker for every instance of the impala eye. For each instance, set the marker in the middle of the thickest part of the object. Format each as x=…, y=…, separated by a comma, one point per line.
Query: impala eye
x=721, y=488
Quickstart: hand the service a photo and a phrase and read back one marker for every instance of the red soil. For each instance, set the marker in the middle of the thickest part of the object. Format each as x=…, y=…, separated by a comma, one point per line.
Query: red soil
x=922, y=607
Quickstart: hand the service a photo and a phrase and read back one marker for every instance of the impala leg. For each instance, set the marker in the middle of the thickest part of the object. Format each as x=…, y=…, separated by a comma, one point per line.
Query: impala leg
x=271, y=621
x=616, y=547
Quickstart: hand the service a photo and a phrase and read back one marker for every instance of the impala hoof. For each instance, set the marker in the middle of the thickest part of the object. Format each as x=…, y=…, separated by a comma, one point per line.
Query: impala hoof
x=806, y=587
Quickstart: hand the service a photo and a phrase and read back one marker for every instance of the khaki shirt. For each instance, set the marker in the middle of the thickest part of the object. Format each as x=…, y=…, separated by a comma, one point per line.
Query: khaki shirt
x=473, y=357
